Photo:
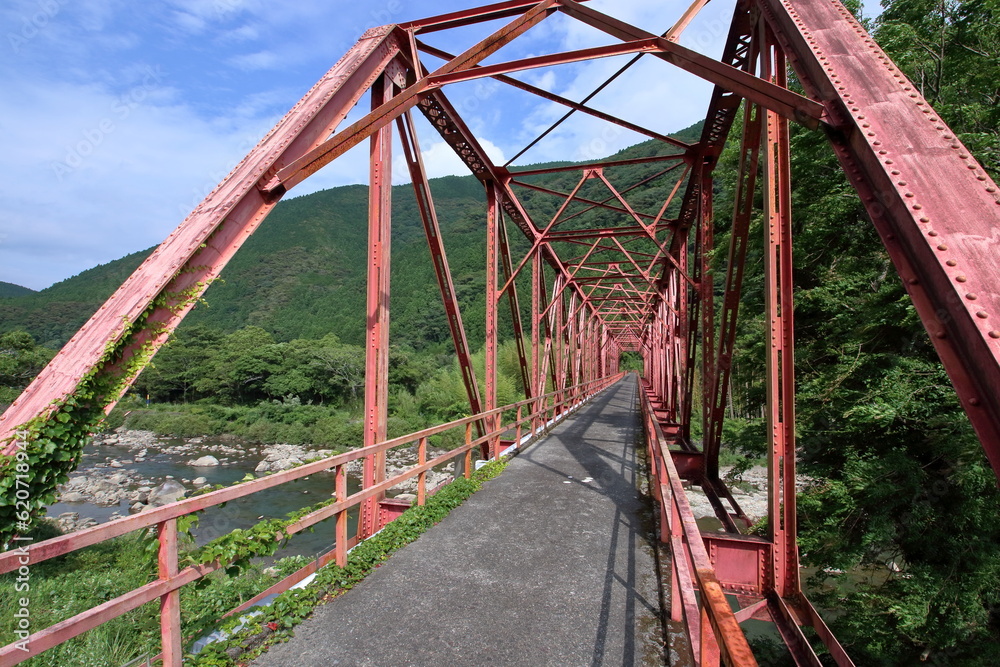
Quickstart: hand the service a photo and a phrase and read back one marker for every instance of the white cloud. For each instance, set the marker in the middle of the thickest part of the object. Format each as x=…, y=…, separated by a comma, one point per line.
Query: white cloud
x=190, y=23
x=255, y=61
x=440, y=160
x=136, y=158
x=89, y=175
x=245, y=33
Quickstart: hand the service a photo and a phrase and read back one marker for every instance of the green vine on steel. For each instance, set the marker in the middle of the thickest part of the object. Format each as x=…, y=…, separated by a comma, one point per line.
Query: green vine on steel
x=50, y=446
x=275, y=622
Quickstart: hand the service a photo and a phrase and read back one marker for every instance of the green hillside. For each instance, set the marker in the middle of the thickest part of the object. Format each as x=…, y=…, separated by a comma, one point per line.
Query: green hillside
x=8, y=290
x=303, y=273
x=54, y=314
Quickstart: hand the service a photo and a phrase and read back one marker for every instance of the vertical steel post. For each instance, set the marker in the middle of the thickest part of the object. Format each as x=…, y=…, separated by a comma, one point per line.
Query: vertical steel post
x=515, y=306
x=493, y=222
x=377, y=335
x=537, y=291
x=706, y=289
x=683, y=333
x=439, y=259
x=170, y=604
x=780, y=358
x=743, y=204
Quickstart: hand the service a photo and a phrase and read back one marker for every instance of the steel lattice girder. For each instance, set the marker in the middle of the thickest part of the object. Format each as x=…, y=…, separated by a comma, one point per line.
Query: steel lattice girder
x=933, y=205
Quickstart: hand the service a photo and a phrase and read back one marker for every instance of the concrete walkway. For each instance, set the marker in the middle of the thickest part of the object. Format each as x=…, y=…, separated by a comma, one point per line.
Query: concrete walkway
x=549, y=564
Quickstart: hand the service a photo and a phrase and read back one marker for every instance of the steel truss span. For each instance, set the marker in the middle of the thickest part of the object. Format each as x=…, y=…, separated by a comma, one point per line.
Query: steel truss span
x=636, y=281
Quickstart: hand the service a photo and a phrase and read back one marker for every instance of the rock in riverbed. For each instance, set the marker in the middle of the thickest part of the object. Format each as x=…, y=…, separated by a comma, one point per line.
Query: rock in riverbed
x=283, y=457
x=204, y=462
x=166, y=493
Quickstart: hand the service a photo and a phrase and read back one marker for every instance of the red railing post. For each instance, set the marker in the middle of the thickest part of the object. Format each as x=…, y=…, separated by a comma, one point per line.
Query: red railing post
x=422, y=478
x=468, y=452
x=340, y=536
x=517, y=435
x=170, y=603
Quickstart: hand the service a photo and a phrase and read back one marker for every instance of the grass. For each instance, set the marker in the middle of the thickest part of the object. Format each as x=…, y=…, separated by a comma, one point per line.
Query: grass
x=67, y=585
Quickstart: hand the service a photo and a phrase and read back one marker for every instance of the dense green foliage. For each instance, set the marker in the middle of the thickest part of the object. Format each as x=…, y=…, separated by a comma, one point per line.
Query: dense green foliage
x=54, y=314
x=899, y=477
x=70, y=584
x=12, y=290
x=20, y=360
x=902, y=487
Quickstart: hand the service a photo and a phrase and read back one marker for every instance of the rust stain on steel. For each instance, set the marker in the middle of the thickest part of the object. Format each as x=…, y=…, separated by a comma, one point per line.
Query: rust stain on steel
x=915, y=177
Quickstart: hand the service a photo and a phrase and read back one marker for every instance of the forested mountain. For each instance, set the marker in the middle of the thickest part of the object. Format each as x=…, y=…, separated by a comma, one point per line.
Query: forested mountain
x=12, y=290
x=302, y=274
x=902, y=495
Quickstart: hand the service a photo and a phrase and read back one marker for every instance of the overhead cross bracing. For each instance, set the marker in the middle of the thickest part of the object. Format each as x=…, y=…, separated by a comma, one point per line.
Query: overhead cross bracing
x=617, y=255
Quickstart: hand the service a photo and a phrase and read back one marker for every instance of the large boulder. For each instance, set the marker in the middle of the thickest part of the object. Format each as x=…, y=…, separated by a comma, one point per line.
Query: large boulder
x=205, y=462
x=168, y=492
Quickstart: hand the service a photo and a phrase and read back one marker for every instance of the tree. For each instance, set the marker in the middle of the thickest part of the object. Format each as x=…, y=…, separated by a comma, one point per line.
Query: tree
x=178, y=370
x=20, y=361
x=902, y=489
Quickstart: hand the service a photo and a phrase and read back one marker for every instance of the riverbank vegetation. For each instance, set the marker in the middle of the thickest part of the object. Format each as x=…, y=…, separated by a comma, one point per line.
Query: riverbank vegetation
x=901, y=484
x=78, y=581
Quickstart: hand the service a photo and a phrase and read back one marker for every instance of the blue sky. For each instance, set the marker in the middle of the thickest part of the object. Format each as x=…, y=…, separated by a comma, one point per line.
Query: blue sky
x=119, y=116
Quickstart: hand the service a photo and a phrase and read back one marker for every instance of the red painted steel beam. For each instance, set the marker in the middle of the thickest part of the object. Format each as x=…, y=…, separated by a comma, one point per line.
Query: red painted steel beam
x=491, y=12
x=780, y=362
x=494, y=220
x=788, y=104
x=738, y=240
x=607, y=232
x=336, y=146
x=377, y=326
x=721, y=109
x=196, y=252
x=558, y=99
x=935, y=207
x=574, y=197
x=650, y=45
x=603, y=164
x=515, y=308
x=439, y=259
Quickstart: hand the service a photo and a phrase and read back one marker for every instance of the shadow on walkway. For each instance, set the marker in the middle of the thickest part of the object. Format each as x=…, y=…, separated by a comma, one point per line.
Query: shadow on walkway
x=552, y=563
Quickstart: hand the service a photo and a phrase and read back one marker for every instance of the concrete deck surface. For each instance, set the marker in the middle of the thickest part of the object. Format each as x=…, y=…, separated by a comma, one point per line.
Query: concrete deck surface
x=549, y=564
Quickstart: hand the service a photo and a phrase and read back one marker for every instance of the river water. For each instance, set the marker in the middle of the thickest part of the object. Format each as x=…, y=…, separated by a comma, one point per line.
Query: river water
x=240, y=513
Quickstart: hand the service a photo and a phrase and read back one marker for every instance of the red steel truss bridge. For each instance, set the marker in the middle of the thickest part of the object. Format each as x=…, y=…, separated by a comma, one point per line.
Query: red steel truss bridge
x=638, y=281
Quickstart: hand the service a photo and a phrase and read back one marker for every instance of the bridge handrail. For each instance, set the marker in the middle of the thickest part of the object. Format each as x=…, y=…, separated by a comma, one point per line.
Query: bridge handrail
x=709, y=621
x=165, y=518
